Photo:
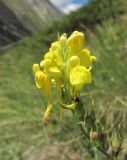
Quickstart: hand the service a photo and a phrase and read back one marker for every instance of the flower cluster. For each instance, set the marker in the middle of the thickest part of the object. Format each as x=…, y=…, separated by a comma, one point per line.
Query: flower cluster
x=66, y=67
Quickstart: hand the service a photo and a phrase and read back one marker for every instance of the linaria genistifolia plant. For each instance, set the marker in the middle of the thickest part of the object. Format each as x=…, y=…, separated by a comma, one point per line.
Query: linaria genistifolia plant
x=66, y=69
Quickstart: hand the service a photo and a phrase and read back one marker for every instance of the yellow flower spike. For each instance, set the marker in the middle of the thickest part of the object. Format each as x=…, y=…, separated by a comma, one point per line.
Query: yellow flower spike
x=76, y=41
x=85, y=58
x=66, y=67
x=79, y=76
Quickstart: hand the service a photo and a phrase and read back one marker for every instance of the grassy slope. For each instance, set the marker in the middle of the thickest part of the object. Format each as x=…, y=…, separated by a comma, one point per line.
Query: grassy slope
x=22, y=135
x=25, y=13
x=30, y=14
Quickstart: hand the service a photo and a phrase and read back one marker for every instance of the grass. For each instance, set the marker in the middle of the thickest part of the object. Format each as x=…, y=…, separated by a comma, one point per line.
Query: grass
x=23, y=136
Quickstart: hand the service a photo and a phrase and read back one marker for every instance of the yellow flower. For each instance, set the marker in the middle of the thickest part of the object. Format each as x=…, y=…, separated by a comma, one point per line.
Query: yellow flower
x=42, y=80
x=43, y=83
x=80, y=76
x=72, y=62
x=52, y=69
x=52, y=61
x=85, y=58
x=66, y=67
x=76, y=42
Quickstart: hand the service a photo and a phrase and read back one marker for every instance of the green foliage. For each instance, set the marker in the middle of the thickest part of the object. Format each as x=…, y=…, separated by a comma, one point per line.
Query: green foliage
x=90, y=15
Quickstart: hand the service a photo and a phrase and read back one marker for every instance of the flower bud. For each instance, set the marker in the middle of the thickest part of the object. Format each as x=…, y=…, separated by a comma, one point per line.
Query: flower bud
x=36, y=68
x=93, y=135
x=63, y=39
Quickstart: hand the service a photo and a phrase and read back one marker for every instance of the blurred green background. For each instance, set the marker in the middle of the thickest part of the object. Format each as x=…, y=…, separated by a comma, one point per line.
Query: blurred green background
x=23, y=136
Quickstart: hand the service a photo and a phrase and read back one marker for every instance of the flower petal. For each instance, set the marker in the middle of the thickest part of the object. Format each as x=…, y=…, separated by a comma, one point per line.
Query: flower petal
x=85, y=58
x=79, y=76
x=48, y=110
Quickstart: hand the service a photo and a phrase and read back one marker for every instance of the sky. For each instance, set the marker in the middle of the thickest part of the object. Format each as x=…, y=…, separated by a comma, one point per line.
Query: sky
x=68, y=5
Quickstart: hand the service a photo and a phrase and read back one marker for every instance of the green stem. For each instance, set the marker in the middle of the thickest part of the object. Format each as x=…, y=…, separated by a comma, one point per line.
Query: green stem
x=80, y=116
x=96, y=155
x=99, y=148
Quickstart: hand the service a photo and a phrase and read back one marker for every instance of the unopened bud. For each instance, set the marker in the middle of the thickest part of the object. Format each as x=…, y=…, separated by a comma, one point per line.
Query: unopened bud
x=116, y=141
x=93, y=135
x=36, y=68
x=63, y=39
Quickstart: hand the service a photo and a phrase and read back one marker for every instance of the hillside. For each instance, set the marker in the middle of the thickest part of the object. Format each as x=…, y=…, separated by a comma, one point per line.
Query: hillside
x=22, y=134
x=25, y=17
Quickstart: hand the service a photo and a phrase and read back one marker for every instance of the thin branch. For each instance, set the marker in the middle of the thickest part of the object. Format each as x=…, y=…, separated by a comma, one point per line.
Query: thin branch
x=99, y=148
